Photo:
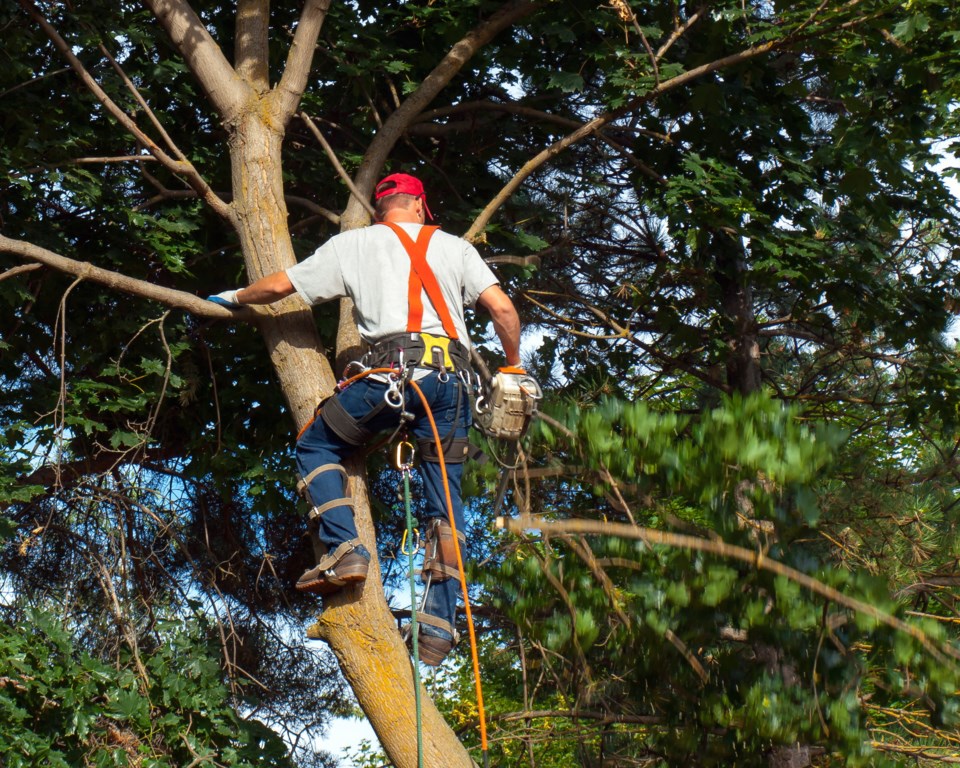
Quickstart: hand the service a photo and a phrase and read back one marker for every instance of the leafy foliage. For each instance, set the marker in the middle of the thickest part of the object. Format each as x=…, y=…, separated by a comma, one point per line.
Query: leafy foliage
x=61, y=706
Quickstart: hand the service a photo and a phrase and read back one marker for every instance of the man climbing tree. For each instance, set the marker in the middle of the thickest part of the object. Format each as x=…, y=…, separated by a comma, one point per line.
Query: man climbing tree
x=417, y=334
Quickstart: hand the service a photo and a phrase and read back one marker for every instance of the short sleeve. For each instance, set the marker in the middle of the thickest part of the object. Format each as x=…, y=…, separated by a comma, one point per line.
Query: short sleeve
x=319, y=277
x=477, y=276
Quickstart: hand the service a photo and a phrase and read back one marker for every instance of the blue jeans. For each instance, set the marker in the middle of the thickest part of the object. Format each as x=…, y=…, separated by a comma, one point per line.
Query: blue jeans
x=320, y=445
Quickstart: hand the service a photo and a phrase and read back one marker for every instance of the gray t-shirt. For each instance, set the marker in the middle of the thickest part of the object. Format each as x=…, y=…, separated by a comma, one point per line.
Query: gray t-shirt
x=371, y=266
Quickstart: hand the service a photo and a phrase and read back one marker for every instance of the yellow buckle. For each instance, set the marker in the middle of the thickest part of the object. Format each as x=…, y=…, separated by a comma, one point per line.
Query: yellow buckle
x=436, y=352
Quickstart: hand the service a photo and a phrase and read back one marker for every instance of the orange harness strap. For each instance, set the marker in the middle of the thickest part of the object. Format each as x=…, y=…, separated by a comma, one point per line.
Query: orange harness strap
x=422, y=279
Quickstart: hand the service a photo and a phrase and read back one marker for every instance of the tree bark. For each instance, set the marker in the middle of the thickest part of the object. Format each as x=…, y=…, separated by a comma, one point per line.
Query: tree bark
x=260, y=213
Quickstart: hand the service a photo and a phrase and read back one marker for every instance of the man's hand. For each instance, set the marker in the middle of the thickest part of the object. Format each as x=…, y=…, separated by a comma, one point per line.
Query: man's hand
x=226, y=299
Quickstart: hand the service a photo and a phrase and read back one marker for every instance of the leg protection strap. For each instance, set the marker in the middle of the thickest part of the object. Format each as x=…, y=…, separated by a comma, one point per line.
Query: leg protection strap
x=303, y=488
x=317, y=512
x=347, y=427
x=433, y=621
x=332, y=558
x=440, y=557
x=303, y=485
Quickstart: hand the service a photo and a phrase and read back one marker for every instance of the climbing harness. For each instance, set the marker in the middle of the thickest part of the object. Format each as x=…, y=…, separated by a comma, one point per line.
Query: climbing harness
x=404, y=463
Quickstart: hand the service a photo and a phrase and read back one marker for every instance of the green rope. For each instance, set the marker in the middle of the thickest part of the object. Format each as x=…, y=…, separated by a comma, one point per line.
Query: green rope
x=413, y=612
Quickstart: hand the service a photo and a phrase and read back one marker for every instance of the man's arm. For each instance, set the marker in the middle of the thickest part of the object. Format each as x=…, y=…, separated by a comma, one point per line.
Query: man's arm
x=506, y=321
x=266, y=290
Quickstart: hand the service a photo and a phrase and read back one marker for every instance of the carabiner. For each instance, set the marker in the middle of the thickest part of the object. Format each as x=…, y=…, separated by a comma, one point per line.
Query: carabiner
x=416, y=541
x=398, y=458
x=393, y=396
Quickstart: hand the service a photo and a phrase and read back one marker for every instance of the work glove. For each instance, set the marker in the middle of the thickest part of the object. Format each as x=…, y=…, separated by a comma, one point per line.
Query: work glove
x=226, y=299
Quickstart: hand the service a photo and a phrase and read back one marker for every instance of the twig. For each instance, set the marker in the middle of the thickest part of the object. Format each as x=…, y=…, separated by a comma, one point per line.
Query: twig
x=679, y=31
x=14, y=271
x=334, y=160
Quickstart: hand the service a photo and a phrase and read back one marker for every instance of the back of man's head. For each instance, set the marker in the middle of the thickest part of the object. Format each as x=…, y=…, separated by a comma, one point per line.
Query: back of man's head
x=398, y=190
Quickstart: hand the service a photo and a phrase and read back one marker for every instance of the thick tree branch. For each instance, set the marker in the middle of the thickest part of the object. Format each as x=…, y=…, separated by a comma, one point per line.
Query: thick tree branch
x=251, y=52
x=532, y=165
x=941, y=651
x=300, y=57
x=226, y=89
x=169, y=297
x=476, y=229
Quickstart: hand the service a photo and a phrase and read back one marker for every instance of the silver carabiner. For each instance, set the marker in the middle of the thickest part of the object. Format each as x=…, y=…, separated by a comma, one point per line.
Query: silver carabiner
x=393, y=396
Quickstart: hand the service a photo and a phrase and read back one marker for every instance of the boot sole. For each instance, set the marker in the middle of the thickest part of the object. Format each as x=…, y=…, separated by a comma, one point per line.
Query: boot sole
x=353, y=574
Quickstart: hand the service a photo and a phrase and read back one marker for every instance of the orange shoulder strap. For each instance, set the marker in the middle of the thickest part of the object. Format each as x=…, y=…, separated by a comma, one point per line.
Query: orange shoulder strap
x=422, y=279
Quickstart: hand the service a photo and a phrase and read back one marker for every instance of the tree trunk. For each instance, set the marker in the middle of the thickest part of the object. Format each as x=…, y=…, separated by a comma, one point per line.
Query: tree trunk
x=357, y=623
x=744, y=376
x=733, y=279
x=260, y=212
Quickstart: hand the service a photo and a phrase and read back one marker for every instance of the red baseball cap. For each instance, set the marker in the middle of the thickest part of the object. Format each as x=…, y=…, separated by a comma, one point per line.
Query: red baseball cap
x=402, y=184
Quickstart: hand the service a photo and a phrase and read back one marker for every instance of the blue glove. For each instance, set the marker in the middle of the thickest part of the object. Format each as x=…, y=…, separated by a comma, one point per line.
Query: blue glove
x=226, y=299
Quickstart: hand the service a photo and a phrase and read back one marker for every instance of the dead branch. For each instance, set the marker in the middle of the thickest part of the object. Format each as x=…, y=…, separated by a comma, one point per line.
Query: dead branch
x=179, y=167
x=335, y=161
x=385, y=139
x=941, y=651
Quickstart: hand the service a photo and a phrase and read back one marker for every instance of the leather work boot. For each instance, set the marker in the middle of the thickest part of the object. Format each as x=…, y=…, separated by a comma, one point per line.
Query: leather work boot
x=330, y=574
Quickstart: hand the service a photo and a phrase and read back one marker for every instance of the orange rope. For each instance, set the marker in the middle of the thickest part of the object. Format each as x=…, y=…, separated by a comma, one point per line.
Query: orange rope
x=456, y=541
x=463, y=577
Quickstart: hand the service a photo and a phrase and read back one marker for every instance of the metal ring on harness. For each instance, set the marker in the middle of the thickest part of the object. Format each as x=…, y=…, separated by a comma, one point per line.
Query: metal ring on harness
x=393, y=396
